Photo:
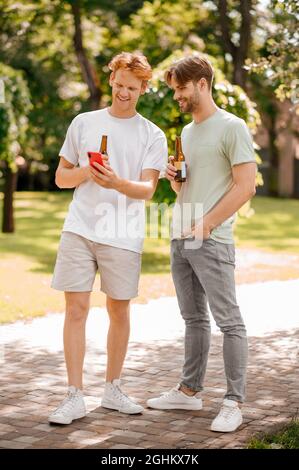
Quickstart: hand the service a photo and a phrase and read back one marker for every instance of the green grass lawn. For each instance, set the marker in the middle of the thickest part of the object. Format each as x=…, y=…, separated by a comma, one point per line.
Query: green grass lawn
x=287, y=438
x=27, y=257
x=274, y=226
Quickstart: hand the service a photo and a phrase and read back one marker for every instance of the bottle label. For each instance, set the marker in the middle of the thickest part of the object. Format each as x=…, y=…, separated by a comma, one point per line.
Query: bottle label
x=181, y=166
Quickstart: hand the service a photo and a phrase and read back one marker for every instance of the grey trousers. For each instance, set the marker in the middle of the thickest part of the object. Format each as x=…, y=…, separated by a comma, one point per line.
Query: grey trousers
x=206, y=275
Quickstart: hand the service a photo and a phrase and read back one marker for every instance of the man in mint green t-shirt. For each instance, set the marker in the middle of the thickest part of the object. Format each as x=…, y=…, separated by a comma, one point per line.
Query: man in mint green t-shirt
x=221, y=173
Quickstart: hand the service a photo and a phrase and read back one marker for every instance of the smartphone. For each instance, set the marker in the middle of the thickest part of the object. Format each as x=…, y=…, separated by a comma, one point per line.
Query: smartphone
x=95, y=157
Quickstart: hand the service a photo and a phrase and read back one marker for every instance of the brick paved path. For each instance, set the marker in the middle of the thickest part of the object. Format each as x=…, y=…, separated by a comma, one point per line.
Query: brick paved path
x=32, y=383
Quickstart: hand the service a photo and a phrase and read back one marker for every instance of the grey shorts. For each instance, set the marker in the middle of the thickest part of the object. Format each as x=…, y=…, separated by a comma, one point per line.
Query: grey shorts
x=79, y=259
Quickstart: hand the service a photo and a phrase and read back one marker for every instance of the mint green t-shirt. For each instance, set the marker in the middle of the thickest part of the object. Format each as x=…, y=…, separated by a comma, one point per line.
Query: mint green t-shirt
x=211, y=149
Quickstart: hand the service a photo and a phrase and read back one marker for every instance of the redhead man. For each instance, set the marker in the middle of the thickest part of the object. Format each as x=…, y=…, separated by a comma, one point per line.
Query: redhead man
x=104, y=230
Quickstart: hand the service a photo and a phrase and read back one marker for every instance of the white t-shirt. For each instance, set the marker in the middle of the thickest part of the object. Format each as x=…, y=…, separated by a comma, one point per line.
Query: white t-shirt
x=134, y=144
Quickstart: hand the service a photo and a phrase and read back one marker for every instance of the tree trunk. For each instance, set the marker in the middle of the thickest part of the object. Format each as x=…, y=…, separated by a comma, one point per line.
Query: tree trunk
x=239, y=74
x=286, y=175
x=9, y=189
x=286, y=144
x=88, y=71
x=239, y=53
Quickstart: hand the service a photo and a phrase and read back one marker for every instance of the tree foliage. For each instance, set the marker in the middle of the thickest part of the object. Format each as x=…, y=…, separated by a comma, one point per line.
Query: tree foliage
x=159, y=28
x=280, y=60
x=14, y=109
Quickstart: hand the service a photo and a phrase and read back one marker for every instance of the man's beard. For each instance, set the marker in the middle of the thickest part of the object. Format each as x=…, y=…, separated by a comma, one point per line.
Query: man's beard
x=192, y=103
x=190, y=106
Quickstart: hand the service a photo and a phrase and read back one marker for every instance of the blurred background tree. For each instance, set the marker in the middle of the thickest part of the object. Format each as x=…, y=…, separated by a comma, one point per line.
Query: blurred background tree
x=274, y=72
x=15, y=105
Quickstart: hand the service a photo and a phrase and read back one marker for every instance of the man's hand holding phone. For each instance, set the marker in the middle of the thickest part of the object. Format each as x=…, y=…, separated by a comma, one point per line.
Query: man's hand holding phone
x=101, y=172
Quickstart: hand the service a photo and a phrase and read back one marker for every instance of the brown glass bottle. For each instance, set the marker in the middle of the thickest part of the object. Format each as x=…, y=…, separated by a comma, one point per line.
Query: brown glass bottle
x=103, y=148
x=179, y=162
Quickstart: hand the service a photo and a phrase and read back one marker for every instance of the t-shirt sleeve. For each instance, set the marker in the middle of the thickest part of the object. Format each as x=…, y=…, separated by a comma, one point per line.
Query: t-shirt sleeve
x=238, y=143
x=157, y=155
x=70, y=147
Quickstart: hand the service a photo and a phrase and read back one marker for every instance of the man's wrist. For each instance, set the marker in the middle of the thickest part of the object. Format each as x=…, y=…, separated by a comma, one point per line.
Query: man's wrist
x=119, y=186
x=176, y=186
x=209, y=224
x=86, y=172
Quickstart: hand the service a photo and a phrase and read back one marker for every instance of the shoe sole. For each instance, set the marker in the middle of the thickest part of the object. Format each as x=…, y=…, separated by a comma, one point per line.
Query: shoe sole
x=175, y=407
x=62, y=421
x=111, y=407
x=227, y=430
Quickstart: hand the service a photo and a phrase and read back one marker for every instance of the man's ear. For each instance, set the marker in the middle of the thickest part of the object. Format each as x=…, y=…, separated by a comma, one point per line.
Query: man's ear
x=202, y=83
x=143, y=87
x=111, y=78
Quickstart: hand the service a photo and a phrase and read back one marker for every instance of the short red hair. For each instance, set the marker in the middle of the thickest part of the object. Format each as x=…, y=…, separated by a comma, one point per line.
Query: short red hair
x=134, y=62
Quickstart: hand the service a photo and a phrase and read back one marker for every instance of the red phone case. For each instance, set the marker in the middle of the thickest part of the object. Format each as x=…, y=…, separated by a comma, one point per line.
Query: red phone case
x=95, y=157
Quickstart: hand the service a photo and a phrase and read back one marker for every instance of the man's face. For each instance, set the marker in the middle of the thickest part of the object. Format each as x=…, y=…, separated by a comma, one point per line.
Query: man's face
x=126, y=89
x=189, y=95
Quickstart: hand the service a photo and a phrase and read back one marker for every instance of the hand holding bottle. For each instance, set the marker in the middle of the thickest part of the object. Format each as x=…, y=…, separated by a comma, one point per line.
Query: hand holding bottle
x=171, y=170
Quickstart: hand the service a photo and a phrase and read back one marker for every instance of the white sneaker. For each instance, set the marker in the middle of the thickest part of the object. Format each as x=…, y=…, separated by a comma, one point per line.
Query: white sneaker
x=174, y=399
x=229, y=417
x=72, y=407
x=115, y=399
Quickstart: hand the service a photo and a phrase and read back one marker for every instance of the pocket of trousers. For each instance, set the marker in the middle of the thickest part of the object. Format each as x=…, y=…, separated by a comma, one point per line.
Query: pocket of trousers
x=226, y=253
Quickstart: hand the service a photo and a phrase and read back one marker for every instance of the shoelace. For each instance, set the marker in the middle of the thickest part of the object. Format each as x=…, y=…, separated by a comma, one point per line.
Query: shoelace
x=118, y=393
x=67, y=404
x=226, y=412
x=169, y=393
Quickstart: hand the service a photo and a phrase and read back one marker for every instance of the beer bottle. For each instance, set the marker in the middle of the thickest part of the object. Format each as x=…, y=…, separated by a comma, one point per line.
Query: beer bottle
x=103, y=148
x=179, y=162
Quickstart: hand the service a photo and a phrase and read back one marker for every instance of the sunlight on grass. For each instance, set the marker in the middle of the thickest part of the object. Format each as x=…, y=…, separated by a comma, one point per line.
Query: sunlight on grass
x=274, y=226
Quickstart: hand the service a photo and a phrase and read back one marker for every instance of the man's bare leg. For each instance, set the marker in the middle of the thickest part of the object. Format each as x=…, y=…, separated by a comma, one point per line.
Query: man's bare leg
x=117, y=344
x=118, y=336
x=77, y=307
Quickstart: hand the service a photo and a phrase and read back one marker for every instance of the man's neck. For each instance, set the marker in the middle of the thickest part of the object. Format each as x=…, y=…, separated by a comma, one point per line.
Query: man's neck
x=115, y=112
x=205, y=111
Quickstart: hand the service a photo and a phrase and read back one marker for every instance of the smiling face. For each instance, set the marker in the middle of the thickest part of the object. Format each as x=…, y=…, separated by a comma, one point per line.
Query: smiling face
x=126, y=89
x=190, y=96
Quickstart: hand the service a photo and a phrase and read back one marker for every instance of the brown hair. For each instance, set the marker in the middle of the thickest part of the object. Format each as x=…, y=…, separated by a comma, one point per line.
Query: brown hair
x=191, y=68
x=134, y=62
